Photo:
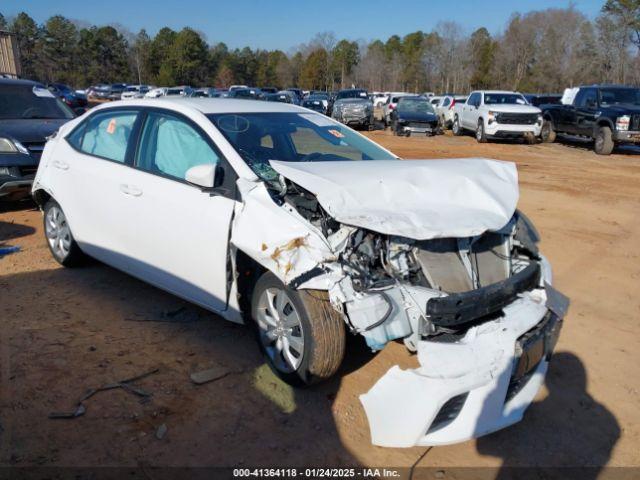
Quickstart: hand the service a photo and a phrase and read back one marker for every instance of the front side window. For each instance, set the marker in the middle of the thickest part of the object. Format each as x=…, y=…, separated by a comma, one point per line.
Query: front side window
x=170, y=146
x=106, y=134
x=293, y=137
x=612, y=96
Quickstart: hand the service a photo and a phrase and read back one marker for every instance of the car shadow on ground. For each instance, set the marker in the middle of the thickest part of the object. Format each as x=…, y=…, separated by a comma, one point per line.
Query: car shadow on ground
x=12, y=231
x=86, y=327
x=567, y=435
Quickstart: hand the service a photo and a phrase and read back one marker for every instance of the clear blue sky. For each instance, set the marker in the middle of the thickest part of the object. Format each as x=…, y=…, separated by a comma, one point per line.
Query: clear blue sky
x=284, y=24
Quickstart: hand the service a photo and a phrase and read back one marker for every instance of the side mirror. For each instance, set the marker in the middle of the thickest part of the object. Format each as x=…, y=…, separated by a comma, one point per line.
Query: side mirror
x=202, y=175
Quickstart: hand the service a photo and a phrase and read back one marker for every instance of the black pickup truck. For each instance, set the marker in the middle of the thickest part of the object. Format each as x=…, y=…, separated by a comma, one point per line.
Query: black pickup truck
x=609, y=114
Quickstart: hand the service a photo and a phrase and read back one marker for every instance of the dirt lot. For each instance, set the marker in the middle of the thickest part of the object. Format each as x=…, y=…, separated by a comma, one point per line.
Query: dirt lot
x=64, y=331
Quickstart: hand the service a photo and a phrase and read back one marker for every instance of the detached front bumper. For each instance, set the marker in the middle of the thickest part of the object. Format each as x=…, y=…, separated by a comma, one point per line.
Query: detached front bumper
x=475, y=385
x=426, y=129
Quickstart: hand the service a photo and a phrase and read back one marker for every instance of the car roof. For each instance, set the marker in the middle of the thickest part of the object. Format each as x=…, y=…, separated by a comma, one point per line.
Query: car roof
x=497, y=91
x=209, y=105
x=14, y=81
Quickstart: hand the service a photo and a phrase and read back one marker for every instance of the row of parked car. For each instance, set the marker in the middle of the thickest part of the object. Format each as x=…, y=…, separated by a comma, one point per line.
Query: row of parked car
x=607, y=114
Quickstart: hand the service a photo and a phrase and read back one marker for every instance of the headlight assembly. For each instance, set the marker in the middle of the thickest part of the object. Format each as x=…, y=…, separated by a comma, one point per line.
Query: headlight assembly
x=622, y=123
x=9, y=146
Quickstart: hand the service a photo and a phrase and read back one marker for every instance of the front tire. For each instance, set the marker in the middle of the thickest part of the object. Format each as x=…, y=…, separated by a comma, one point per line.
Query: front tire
x=547, y=133
x=480, y=135
x=300, y=334
x=60, y=240
x=604, y=141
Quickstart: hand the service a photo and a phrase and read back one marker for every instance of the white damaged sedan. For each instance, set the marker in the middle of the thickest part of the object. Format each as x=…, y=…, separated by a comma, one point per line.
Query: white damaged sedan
x=271, y=214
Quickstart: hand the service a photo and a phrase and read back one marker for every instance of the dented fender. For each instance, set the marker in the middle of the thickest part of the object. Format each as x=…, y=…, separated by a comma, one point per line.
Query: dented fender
x=280, y=239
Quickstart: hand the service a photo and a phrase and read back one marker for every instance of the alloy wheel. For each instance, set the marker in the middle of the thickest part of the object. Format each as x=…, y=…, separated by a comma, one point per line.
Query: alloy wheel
x=280, y=329
x=57, y=232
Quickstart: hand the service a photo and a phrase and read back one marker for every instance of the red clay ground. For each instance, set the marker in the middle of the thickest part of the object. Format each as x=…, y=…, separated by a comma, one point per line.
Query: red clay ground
x=64, y=331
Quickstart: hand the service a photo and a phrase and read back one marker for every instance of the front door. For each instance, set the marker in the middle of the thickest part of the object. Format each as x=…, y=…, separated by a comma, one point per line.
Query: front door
x=179, y=232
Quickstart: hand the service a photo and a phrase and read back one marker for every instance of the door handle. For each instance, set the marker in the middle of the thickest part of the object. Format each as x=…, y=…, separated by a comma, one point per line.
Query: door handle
x=130, y=190
x=61, y=165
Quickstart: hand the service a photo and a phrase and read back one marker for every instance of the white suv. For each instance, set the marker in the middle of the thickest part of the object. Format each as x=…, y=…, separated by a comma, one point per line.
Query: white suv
x=497, y=114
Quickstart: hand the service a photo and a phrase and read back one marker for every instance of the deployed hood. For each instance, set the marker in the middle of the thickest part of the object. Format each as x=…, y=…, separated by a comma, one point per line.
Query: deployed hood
x=419, y=199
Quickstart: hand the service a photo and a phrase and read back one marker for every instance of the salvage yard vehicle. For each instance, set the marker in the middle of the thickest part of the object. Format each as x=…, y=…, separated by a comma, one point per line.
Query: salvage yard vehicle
x=353, y=107
x=414, y=114
x=609, y=114
x=497, y=114
x=389, y=105
x=135, y=91
x=282, y=97
x=68, y=95
x=318, y=102
x=282, y=217
x=445, y=108
x=29, y=113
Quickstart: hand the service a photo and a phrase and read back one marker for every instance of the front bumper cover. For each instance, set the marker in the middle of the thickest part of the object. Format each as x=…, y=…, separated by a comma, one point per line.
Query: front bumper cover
x=626, y=136
x=474, y=377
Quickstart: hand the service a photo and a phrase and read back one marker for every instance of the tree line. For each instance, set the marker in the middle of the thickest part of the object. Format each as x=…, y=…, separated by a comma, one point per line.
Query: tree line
x=538, y=51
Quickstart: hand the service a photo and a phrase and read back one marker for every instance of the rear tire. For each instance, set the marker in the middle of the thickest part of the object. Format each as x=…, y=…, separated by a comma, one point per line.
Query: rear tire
x=455, y=127
x=604, y=141
x=60, y=240
x=547, y=133
x=300, y=334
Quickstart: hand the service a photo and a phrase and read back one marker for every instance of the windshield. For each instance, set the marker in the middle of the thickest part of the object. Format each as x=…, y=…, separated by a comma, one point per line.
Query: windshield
x=504, y=98
x=611, y=96
x=27, y=101
x=352, y=94
x=293, y=137
x=415, y=105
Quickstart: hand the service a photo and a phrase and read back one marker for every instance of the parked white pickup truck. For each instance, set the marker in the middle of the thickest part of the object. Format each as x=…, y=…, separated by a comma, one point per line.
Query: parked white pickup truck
x=497, y=114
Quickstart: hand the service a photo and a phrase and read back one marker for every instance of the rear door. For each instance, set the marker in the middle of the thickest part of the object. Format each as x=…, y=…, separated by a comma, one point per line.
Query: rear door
x=89, y=166
x=178, y=232
x=470, y=111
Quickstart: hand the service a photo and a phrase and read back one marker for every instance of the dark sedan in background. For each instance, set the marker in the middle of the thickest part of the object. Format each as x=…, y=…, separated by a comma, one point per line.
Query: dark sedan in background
x=318, y=102
x=29, y=113
x=414, y=114
x=68, y=95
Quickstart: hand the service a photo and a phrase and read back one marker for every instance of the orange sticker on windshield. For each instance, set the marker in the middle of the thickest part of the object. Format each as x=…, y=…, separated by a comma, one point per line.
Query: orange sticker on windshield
x=336, y=133
x=112, y=126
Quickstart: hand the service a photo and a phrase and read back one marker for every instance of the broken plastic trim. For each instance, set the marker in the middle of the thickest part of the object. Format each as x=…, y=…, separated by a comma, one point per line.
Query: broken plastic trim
x=460, y=308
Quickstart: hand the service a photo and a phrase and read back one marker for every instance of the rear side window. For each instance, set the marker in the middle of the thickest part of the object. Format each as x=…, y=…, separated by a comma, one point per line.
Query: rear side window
x=105, y=134
x=447, y=102
x=170, y=146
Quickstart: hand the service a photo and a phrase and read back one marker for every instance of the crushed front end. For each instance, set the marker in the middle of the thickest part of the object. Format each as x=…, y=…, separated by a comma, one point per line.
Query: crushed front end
x=477, y=306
